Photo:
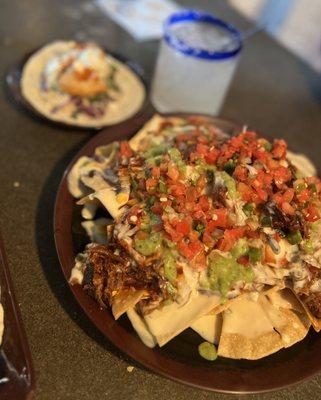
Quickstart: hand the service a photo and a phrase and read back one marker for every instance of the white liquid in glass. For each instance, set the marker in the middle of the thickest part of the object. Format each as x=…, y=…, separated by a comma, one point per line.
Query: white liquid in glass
x=188, y=83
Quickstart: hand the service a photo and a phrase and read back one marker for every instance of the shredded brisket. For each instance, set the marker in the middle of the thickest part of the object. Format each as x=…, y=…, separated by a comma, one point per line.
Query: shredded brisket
x=108, y=273
x=284, y=222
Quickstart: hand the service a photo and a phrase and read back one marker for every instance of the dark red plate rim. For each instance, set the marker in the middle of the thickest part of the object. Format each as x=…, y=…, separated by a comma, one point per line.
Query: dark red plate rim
x=13, y=79
x=178, y=360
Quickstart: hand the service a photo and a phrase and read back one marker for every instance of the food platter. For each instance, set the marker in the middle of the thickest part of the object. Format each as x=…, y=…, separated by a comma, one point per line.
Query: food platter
x=179, y=359
x=14, y=80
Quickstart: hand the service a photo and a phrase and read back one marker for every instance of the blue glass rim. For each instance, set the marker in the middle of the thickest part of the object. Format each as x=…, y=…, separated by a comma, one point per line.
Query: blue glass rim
x=198, y=16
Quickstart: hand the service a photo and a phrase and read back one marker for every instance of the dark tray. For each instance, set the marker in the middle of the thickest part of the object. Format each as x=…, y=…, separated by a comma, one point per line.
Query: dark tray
x=16, y=371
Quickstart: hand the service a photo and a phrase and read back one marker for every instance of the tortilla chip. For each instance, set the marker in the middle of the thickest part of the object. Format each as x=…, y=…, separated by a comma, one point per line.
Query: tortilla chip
x=75, y=186
x=147, y=132
x=173, y=319
x=285, y=299
x=95, y=182
x=96, y=230
x=226, y=304
x=89, y=210
x=316, y=322
x=247, y=332
x=150, y=126
x=112, y=201
x=209, y=327
x=291, y=325
x=126, y=300
x=141, y=328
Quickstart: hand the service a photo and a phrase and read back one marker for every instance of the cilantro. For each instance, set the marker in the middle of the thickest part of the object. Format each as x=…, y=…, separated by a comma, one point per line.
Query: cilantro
x=110, y=80
x=229, y=167
x=200, y=228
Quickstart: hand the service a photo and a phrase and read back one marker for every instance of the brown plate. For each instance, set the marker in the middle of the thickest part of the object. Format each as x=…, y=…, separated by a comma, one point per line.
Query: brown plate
x=179, y=359
x=16, y=372
x=13, y=79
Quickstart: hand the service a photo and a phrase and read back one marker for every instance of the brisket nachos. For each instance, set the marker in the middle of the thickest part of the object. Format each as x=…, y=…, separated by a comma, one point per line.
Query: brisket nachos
x=205, y=231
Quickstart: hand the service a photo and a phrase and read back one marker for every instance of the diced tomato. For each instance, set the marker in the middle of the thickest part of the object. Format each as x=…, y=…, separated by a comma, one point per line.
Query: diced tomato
x=193, y=236
x=220, y=220
x=204, y=203
x=271, y=164
x=262, y=194
x=195, y=247
x=230, y=238
x=177, y=189
x=185, y=250
x=151, y=184
x=243, y=260
x=133, y=212
x=278, y=198
x=194, y=156
x=287, y=208
x=200, y=137
x=199, y=261
x=212, y=156
x=281, y=175
x=311, y=214
x=236, y=233
x=190, y=250
x=288, y=195
x=199, y=215
x=304, y=195
x=175, y=236
x=245, y=191
x=156, y=172
x=191, y=194
x=240, y=173
x=173, y=171
x=267, y=178
x=201, y=183
x=201, y=149
x=279, y=149
x=157, y=208
x=125, y=149
x=257, y=184
x=183, y=137
x=164, y=204
x=184, y=226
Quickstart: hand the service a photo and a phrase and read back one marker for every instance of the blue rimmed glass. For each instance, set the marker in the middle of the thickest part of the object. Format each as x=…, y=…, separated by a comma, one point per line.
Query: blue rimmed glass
x=195, y=78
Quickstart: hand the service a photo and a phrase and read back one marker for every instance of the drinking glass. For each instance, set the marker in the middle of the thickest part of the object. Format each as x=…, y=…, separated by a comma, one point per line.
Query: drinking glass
x=196, y=62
